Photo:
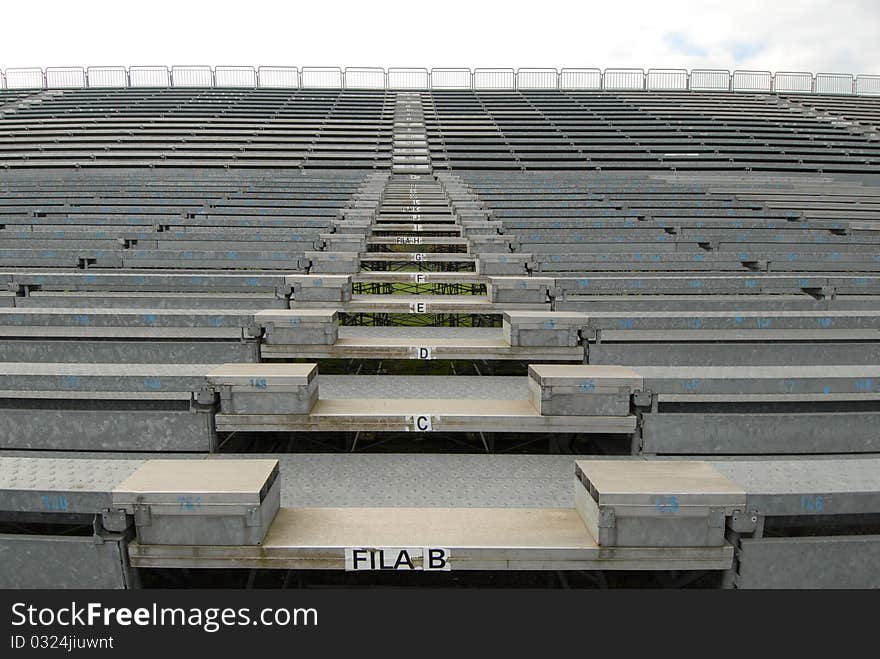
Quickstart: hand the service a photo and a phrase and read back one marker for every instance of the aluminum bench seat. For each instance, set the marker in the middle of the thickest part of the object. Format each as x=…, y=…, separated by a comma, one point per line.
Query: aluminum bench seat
x=815, y=492
x=716, y=302
x=724, y=410
x=453, y=403
x=178, y=403
x=207, y=301
x=424, y=343
x=703, y=338
x=139, y=407
x=218, y=260
x=757, y=283
x=65, y=222
x=73, y=280
x=127, y=336
x=481, y=538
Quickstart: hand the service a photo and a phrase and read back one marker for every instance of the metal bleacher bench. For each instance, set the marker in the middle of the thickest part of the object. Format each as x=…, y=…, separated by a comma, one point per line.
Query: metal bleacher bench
x=743, y=519
x=659, y=410
x=684, y=284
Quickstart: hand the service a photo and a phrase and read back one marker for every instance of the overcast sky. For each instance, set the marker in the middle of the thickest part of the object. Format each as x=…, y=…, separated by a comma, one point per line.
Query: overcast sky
x=780, y=35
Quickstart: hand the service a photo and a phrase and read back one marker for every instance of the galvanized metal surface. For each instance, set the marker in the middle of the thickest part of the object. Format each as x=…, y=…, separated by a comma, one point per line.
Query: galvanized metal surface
x=795, y=258
x=478, y=539
x=112, y=428
x=811, y=562
x=775, y=484
x=425, y=343
x=807, y=487
x=749, y=351
x=413, y=415
x=149, y=350
x=531, y=538
x=403, y=334
x=159, y=377
x=59, y=485
x=655, y=503
x=639, y=482
x=206, y=502
x=710, y=433
x=48, y=561
x=323, y=480
x=417, y=387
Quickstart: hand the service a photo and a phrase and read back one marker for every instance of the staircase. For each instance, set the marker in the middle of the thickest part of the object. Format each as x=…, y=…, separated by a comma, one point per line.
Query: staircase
x=414, y=242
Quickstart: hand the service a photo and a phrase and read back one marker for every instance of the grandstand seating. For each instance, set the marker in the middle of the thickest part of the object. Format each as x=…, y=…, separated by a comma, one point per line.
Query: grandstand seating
x=322, y=129
x=645, y=274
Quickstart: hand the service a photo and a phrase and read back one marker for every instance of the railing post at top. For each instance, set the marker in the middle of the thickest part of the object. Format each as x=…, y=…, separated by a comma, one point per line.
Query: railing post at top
x=827, y=83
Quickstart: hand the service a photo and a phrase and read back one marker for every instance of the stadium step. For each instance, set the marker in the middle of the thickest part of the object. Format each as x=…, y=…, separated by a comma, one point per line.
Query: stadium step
x=689, y=410
x=622, y=514
x=409, y=224
x=646, y=338
x=627, y=272
x=409, y=151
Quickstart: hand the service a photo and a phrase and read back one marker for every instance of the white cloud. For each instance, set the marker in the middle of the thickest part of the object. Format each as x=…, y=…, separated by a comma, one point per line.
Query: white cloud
x=811, y=35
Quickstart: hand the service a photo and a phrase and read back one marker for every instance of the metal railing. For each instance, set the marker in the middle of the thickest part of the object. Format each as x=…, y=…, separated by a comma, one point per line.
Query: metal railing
x=580, y=79
x=666, y=79
x=410, y=78
x=451, y=79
